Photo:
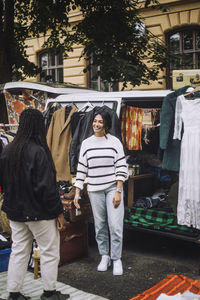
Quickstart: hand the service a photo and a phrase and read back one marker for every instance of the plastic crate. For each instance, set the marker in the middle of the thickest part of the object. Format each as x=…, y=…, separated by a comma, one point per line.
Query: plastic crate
x=4, y=259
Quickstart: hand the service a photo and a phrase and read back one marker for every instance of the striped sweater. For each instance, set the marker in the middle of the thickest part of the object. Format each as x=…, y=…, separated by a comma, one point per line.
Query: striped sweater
x=103, y=161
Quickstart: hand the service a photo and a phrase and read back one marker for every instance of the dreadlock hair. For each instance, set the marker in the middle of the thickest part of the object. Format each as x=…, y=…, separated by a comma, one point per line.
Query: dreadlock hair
x=31, y=127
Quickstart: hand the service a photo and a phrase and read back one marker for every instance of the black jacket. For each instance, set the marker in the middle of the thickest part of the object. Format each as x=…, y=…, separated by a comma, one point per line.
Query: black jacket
x=35, y=197
x=83, y=123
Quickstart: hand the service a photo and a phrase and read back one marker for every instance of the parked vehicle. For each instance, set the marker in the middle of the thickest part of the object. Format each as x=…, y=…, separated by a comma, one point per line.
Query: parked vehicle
x=143, y=183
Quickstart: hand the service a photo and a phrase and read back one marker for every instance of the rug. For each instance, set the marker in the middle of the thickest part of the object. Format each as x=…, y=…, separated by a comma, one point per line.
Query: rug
x=171, y=285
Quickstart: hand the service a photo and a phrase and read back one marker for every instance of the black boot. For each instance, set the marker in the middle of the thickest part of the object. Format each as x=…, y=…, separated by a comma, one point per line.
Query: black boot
x=55, y=296
x=17, y=296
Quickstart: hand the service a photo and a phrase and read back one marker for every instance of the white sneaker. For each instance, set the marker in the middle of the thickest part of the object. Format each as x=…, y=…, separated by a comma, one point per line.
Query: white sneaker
x=117, y=267
x=104, y=263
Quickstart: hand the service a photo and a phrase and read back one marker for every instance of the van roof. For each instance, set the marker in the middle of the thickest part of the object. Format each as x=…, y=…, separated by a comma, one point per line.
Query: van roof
x=55, y=88
x=121, y=94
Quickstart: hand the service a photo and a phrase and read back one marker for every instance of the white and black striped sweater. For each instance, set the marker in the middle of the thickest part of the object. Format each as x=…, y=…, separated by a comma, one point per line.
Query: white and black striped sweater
x=102, y=159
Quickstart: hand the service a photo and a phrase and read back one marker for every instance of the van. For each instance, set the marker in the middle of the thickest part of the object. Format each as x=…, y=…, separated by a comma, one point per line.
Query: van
x=147, y=186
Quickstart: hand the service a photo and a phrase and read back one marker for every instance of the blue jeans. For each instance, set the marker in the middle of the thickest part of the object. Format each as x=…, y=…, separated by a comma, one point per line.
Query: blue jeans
x=108, y=219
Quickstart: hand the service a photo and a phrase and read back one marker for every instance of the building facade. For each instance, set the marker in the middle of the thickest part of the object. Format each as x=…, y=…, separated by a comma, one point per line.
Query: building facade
x=178, y=27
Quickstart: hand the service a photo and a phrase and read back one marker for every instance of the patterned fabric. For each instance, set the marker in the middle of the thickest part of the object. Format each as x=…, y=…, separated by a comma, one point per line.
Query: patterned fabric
x=156, y=219
x=17, y=103
x=171, y=285
x=131, y=127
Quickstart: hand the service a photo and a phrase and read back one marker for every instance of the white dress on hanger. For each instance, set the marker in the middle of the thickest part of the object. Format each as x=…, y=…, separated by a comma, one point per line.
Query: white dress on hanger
x=187, y=118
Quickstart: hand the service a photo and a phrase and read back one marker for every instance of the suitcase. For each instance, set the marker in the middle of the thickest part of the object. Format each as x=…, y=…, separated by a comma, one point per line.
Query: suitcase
x=73, y=242
x=72, y=214
x=181, y=78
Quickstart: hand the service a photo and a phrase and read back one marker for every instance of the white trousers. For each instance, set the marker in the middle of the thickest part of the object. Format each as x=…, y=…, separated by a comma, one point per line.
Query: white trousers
x=47, y=236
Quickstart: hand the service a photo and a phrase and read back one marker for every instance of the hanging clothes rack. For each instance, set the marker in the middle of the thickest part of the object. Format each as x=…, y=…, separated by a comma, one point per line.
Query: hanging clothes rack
x=8, y=125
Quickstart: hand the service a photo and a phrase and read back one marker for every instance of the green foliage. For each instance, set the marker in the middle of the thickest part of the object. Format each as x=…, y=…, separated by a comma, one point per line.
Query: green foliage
x=112, y=33
x=114, y=38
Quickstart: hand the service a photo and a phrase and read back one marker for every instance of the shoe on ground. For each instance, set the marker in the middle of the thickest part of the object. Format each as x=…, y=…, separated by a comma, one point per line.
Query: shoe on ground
x=20, y=297
x=104, y=263
x=117, y=267
x=56, y=296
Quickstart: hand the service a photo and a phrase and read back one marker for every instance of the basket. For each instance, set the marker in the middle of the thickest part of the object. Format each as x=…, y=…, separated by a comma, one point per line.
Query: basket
x=4, y=259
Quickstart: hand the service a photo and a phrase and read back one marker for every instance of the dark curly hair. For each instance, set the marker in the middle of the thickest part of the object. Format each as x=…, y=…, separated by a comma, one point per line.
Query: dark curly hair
x=31, y=127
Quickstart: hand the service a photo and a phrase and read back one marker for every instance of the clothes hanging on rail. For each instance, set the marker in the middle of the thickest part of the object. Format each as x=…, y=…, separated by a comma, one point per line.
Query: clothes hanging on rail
x=6, y=137
x=58, y=139
x=171, y=147
x=131, y=127
x=48, y=113
x=188, y=114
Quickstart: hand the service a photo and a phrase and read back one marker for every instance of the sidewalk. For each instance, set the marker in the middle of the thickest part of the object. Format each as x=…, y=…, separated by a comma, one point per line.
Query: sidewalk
x=33, y=288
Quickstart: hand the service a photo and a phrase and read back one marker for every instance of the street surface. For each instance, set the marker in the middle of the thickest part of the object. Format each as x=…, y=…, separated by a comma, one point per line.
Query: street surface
x=147, y=259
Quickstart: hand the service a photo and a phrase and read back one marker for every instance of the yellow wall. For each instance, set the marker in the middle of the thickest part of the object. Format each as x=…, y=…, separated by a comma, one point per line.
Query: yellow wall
x=179, y=13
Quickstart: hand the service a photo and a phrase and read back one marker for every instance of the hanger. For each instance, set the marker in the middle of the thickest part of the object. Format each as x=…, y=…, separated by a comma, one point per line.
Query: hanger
x=197, y=89
x=86, y=106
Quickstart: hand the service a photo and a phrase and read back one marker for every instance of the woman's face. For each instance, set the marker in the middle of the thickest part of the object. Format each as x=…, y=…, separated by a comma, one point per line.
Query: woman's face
x=98, y=126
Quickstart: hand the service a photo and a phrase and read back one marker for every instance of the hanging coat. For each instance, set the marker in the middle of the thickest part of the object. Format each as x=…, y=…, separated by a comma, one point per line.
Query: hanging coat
x=58, y=139
x=171, y=147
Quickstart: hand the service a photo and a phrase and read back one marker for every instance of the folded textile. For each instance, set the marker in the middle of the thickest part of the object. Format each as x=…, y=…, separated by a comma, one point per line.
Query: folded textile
x=146, y=202
x=185, y=296
x=171, y=285
x=157, y=219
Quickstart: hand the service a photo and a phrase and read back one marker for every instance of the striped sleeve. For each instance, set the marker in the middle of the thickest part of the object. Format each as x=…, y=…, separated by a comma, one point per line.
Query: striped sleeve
x=82, y=168
x=121, y=167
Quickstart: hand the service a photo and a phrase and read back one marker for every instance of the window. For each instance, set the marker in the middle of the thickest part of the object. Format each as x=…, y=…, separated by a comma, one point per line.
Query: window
x=52, y=67
x=185, y=44
x=96, y=83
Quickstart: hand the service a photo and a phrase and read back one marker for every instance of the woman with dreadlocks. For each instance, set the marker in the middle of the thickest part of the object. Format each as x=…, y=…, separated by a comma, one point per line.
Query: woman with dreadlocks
x=32, y=204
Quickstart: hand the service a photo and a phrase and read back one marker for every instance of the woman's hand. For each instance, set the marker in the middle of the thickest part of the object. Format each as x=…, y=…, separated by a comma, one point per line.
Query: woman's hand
x=61, y=223
x=117, y=199
x=77, y=197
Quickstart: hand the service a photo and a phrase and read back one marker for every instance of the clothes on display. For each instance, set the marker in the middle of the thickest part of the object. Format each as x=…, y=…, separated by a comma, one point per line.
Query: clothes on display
x=136, y=124
x=149, y=202
x=171, y=147
x=5, y=138
x=131, y=127
x=48, y=113
x=59, y=139
x=187, y=120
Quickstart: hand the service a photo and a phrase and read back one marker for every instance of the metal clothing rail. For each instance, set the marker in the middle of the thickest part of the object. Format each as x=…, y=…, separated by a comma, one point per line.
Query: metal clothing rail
x=8, y=125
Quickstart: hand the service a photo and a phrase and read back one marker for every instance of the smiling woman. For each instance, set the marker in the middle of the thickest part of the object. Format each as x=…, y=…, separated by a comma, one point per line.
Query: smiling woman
x=102, y=159
x=101, y=126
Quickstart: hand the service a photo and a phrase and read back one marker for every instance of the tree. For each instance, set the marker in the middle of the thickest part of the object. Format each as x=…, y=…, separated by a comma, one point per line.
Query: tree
x=111, y=32
x=115, y=39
